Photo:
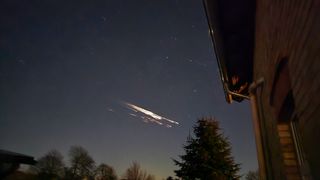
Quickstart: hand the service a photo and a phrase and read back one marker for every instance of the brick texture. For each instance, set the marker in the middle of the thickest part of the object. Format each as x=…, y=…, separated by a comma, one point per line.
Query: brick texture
x=290, y=29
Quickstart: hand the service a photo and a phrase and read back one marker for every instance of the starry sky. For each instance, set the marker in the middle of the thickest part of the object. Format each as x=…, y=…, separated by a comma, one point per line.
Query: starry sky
x=68, y=70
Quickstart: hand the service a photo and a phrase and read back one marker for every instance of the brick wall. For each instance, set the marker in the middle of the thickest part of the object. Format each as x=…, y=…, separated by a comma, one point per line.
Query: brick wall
x=290, y=29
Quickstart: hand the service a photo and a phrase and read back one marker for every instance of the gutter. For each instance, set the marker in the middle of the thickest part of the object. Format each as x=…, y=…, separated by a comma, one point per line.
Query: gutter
x=221, y=66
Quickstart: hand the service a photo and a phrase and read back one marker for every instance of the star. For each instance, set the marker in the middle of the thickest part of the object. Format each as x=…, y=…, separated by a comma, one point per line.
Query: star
x=103, y=18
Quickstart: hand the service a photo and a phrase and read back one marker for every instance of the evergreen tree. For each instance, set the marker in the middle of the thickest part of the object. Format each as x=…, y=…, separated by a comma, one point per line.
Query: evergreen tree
x=207, y=155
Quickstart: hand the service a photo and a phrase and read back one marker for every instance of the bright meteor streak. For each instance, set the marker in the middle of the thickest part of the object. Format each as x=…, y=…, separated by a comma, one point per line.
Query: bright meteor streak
x=149, y=113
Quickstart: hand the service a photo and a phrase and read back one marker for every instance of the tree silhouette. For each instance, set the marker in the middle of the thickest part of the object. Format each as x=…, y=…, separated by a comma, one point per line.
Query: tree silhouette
x=134, y=172
x=208, y=155
x=82, y=164
x=105, y=172
x=171, y=178
x=252, y=175
x=51, y=165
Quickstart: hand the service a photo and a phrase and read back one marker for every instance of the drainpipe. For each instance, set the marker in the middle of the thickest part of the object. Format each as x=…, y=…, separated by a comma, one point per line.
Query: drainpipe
x=256, y=123
x=257, y=127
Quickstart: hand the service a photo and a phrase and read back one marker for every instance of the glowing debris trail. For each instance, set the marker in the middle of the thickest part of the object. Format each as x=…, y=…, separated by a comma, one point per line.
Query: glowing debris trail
x=149, y=113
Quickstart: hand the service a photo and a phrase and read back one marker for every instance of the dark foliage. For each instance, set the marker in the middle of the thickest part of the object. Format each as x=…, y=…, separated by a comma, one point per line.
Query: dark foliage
x=207, y=155
x=82, y=164
x=51, y=165
x=105, y=172
x=252, y=175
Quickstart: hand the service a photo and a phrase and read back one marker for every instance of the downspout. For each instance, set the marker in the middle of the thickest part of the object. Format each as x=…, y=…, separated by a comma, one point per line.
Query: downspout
x=257, y=127
x=256, y=123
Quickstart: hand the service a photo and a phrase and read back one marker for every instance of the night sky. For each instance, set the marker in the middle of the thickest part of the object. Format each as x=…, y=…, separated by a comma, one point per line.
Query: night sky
x=68, y=68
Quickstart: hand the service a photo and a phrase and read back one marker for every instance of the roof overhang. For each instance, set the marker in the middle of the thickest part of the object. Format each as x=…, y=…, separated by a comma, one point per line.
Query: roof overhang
x=231, y=25
x=10, y=161
x=12, y=157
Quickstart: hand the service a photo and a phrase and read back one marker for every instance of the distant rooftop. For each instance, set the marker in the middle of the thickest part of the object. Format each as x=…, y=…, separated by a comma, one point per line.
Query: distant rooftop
x=12, y=157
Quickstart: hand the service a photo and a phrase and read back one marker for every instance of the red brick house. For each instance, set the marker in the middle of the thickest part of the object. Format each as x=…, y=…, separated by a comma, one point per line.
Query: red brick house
x=268, y=52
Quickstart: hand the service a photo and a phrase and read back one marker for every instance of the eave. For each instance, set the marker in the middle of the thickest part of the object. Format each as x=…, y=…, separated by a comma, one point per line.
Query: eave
x=231, y=26
x=15, y=158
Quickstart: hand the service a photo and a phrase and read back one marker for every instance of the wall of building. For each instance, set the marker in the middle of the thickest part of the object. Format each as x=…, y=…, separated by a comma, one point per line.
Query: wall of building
x=290, y=29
